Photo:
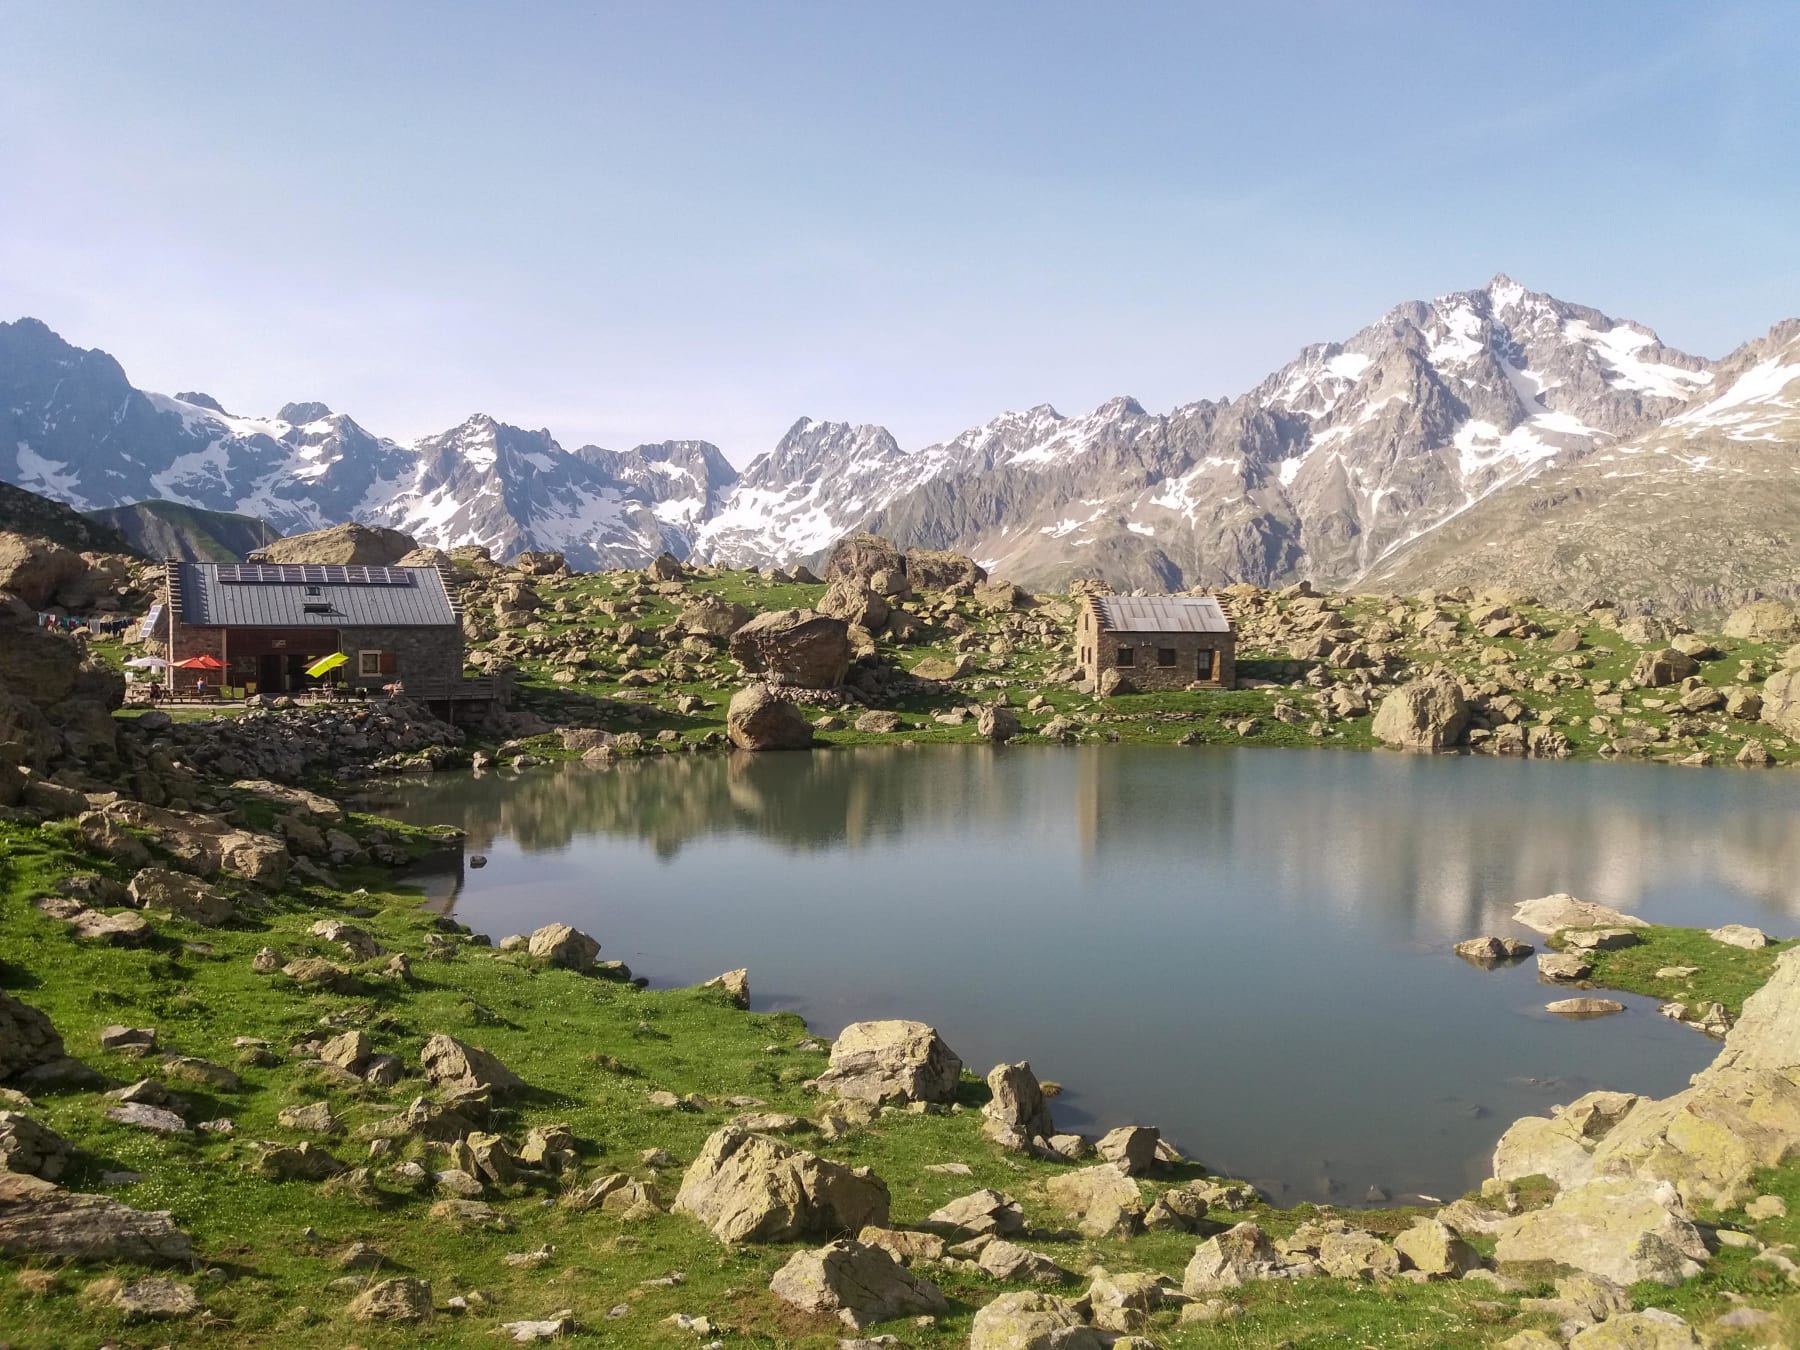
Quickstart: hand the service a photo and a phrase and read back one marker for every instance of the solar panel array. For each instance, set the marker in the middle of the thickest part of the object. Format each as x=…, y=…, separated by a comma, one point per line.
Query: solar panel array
x=313, y=574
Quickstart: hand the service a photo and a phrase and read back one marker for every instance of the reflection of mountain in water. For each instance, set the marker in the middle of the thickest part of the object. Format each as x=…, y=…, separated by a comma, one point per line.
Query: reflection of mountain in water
x=1440, y=838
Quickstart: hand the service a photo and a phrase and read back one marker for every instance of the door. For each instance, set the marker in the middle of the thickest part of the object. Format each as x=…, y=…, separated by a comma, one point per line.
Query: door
x=269, y=675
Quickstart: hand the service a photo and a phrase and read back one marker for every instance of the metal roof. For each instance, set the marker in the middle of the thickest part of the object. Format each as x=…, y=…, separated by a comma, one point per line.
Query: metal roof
x=1162, y=614
x=210, y=600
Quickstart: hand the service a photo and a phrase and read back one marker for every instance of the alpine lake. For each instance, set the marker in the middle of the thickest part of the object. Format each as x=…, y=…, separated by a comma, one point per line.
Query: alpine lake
x=1247, y=948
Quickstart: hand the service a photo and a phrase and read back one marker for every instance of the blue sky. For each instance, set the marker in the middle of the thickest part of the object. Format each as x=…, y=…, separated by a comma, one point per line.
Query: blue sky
x=632, y=222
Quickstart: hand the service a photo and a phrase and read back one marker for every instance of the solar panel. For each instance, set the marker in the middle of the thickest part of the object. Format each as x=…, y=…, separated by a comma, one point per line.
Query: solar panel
x=313, y=574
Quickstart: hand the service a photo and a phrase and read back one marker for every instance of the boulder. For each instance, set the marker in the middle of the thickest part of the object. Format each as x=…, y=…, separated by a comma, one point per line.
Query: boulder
x=794, y=647
x=892, y=1061
x=997, y=722
x=539, y=563
x=308, y=806
x=1005, y=1260
x=1781, y=701
x=735, y=983
x=313, y=972
x=665, y=566
x=27, y=1039
x=1490, y=951
x=710, y=617
x=941, y=668
x=1434, y=1250
x=1133, y=1149
x=404, y=1300
x=1029, y=1320
x=758, y=719
x=1584, y=1007
x=1016, y=1113
x=1657, y=669
x=1740, y=935
x=857, y=1282
x=35, y=569
x=156, y=1298
x=465, y=1068
x=186, y=897
x=1228, y=1261
x=1651, y=1329
x=1124, y=1303
x=204, y=844
x=1562, y=1146
x=1563, y=967
x=557, y=944
x=1624, y=1229
x=40, y=1219
x=1552, y=913
x=348, y=544
x=941, y=570
x=980, y=1212
x=751, y=1188
x=31, y=1148
x=855, y=603
x=1758, y=621
x=862, y=557
x=1426, y=715
x=1103, y=1200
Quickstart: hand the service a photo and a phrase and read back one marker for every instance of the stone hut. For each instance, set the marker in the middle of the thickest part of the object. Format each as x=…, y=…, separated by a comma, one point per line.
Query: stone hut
x=266, y=623
x=1155, y=642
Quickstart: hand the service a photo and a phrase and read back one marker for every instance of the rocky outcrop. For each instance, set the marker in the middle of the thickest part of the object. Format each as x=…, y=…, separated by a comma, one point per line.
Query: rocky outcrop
x=1427, y=715
x=1550, y=914
x=1103, y=1200
x=941, y=570
x=40, y=1219
x=760, y=719
x=209, y=845
x=857, y=1283
x=710, y=617
x=892, y=1061
x=1229, y=1260
x=349, y=543
x=186, y=897
x=1758, y=621
x=750, y=1188
x=794, y=647
x=870, y=561
x=1625, y=1229
x=1032, y=1321
x=1017, y=1114
x=36, y=569
x=28, y=1147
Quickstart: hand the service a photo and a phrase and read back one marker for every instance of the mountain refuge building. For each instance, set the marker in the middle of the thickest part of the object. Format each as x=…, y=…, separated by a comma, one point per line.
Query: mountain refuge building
x=263, y=624
x=1155, y=642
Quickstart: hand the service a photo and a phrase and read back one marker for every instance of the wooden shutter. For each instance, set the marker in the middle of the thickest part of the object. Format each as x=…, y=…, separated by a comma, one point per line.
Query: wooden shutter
x=389, y=663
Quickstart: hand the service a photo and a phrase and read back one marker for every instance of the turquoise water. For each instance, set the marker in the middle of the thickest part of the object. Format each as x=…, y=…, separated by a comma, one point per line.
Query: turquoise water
x=1247, y=948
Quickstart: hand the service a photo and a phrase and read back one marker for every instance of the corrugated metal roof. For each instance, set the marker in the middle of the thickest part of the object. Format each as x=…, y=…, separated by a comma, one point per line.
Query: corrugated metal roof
x=207, y=601
x=1162, y=614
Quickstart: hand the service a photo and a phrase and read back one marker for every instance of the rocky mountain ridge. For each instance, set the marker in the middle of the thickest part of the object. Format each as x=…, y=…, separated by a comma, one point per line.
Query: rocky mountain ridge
x=1497, y=428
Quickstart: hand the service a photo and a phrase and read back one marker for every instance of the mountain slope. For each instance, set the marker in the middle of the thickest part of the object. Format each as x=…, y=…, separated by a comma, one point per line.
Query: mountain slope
x=189, y=533
x=39, y=517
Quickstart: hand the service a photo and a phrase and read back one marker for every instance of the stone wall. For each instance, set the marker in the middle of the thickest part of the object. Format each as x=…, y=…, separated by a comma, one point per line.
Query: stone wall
x=419, y=655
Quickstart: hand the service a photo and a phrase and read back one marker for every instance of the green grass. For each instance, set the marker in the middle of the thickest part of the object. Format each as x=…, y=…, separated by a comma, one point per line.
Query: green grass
x=1722, y=973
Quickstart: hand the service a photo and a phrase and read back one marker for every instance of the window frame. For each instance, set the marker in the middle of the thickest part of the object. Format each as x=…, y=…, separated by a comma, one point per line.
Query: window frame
x=1172, y=653
x=1125, y=656
x=363, y=660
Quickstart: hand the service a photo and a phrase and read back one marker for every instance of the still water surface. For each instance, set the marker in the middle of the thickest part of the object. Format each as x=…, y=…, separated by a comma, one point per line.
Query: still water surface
x=1248, y=948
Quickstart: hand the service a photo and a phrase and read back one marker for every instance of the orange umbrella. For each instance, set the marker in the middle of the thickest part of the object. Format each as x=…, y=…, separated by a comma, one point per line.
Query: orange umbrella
x=200, y=663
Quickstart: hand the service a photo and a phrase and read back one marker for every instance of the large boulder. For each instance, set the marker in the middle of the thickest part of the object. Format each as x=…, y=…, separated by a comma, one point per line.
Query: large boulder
x=40, y=1219
x=27, y=1039
x=1017, y=1112
x=38, y=666
x=371, y=546
x=557, y=944
x=862, y=558
x=1033, y=1321
x=853, y=602
x=1103, y=1200
x=935, y=570
x=184, y=896
x=1781, y=701
x=465, y=1068
x=206, y=844
x=1651, y=1329
x=1666, y=666
x=1624, y=1229
x=750, y=1188
x=857, y=1282
x=1758, y=621
x=26, y=1146
x=400, y=1300
x=759, y=719
x=892, y=1061
x=36, y=569
x=1229, y=1260
x=539, y=563
x=711, y=617
x=1427, y=715
x=1551, y=913
x=794, y=647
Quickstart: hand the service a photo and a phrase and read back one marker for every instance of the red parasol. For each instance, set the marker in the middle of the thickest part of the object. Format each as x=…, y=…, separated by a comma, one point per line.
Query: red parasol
x=200, y=663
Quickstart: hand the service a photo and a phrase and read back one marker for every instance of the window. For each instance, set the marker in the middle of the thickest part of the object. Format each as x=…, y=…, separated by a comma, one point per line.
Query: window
x=1165, y=656
x=316, y=607
x=314, y=590
x=368, y=663
x=1205, y=671
x=1127, y=657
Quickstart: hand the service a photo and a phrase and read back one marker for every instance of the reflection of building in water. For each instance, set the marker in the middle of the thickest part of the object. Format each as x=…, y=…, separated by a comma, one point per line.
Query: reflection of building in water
x=1176, y=802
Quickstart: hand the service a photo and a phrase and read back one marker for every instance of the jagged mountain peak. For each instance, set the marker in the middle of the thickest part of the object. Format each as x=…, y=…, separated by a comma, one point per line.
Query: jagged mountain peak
x=295, y=414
